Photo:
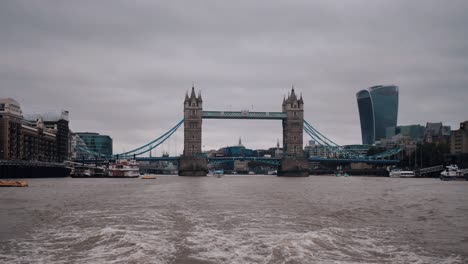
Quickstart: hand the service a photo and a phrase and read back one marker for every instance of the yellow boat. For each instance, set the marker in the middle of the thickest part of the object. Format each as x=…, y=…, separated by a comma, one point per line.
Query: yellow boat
x=147, y=177
x=13, y=184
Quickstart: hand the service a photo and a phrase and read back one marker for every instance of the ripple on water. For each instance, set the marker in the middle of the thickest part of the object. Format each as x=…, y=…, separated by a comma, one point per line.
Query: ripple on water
x=327, y=245
x=151, y=240
x=79, y=237
x=223, y=228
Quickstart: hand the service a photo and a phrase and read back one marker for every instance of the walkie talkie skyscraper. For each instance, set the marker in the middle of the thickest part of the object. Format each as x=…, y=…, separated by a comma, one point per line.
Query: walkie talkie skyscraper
x=378, y=109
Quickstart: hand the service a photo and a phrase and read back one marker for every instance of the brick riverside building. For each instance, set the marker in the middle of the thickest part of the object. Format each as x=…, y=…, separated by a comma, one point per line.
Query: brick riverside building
x=37, y=138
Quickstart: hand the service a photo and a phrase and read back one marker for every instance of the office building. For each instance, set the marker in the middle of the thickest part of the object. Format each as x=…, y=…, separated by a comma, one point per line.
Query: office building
x=378, y=109
x=97, y=143
x=315, y=150
x=415, y=132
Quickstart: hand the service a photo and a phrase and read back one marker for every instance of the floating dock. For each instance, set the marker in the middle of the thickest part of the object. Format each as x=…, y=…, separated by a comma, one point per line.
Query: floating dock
x=13, y=184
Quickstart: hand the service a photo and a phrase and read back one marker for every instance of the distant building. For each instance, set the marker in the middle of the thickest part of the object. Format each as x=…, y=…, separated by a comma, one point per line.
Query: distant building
x=357, y=149
x=437, y=132
x=239, y=151
x=241, y=166
x=38, y=137
x=459, y=140
x=314, y=150
x=398, y=140
x=416, y=132
x=95, y=142
x=276, y=152
x=58, y=122
x=378, y=109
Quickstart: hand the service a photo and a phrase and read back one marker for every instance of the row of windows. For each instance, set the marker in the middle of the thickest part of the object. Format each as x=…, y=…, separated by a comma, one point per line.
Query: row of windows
x=193, y=125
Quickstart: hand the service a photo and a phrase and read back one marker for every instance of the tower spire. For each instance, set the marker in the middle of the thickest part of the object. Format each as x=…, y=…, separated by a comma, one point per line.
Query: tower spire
x=293, y=94
x=199, y=96
x=192, y=95
x=186, y=96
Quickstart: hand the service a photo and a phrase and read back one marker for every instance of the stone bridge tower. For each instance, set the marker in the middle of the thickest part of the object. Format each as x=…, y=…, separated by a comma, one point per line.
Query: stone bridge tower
x=193, y=108
x=192, y=163
x=293, y=162
x=293, y=125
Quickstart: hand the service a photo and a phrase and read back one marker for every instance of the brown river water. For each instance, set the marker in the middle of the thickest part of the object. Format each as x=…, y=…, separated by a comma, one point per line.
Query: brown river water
x=235, y=219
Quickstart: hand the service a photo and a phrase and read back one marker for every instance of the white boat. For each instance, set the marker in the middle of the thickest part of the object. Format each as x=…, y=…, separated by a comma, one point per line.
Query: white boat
x=218, y=173
x=88, y=171
x=124, y=169
x=397, y=173
x=81, y=172
x=452, y=172
x=272, y=172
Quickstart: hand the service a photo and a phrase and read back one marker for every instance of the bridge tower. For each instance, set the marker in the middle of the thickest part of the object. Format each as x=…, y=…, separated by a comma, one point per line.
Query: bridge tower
x=192, y=162
x=293, y=125
x=193, y=108
x=293, y=162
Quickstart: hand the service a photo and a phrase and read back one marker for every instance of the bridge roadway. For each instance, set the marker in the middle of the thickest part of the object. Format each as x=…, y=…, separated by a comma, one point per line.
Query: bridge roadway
x=244, y=115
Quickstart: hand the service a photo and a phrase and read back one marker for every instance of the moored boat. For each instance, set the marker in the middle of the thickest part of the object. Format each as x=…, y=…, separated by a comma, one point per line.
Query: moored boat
x=452, y=172
x=84, y=171
x=218, y=173
x=397, y=173
x=148, y=177
x=124, y=169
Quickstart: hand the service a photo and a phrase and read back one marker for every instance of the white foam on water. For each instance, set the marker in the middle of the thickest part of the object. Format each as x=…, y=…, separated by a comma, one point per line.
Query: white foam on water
x=154, y=236
x=80, y=239
x=326, y=245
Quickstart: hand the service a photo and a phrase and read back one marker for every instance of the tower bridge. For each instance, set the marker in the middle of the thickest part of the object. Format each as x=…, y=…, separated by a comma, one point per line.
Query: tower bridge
x=194, y=163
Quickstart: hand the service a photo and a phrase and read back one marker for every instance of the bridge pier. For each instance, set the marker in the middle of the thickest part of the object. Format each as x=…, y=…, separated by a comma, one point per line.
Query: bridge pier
x=293, y=167
x=193, y=166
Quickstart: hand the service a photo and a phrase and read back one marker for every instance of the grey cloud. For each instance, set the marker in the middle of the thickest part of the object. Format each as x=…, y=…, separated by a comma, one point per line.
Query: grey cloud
x=123, y=67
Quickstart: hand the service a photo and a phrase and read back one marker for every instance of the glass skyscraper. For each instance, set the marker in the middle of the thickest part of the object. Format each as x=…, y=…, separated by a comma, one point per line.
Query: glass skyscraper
x=378, y=109
x=97, y=143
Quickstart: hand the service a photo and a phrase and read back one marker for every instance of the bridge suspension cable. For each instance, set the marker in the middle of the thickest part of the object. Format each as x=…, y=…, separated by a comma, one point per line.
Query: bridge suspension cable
x=326, y=142
x=337, y=149
x=151, y=145
x=140, y=150
x=95, y=154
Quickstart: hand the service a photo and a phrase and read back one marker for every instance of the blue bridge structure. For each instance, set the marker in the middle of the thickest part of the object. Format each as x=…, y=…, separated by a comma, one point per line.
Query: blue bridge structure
x=293, y=163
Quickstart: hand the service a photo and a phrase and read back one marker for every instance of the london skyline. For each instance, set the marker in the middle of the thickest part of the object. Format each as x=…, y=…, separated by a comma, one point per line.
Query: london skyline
x=123, y=70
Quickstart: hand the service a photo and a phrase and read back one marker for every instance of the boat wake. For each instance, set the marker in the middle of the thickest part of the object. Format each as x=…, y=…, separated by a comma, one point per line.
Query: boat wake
x=83, y=238
x=159, y=236
x=326, y=245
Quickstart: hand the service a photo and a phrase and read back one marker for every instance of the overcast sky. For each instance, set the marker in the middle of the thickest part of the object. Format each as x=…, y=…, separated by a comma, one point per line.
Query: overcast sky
x=122, y=67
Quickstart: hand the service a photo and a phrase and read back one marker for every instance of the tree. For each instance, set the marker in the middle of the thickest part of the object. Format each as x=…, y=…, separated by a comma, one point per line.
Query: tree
x=426, y=154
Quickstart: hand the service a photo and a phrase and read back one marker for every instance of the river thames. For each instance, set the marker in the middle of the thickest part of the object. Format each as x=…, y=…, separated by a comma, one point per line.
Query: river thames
x=235, y=219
